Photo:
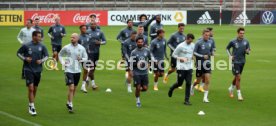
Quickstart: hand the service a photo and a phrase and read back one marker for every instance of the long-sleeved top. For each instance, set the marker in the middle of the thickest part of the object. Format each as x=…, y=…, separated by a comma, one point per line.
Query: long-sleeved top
x=158, y=49
x=213, y=45
x=184, y=50
x=175, y=39
x=144, y=24
x=128, y=46
x=36, y=51
x=139, y=61
x=95, y=35
x=69, y=56
x=55, y=31
x=239, y=48
x=84, y=40
x=154, y=28
x=40, y=29
x=124, y=34
x=202, y=48
x=25, y=35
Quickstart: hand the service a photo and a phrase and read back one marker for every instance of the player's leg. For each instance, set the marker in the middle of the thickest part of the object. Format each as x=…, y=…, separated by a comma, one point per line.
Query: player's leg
x=197, y=80
x=129, y=79
x=37, y=77
x=232, y=87
x=31, y=88
x=202, y=82
x=144, y=83
x=95, y=59
x=22, y=73
x=156, y=76
x=171, y=70
x=71, y=89
x=179, y=82
x=137, y=84
x=84, y=80
x=238, y=78
x=188, y=79
x=206, y=87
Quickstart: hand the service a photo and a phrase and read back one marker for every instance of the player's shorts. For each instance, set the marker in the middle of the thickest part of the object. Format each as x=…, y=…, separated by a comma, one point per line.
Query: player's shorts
x=56, y=48
x=93, y=60
x=72, y=78
x=237, y=68
x=200, y=70
x=173, y=62
x=159, y=67
x=127, y=65
x=32, y=77
x=143, y=80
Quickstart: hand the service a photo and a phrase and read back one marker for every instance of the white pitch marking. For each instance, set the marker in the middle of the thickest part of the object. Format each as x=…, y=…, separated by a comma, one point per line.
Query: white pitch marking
x=19, y=119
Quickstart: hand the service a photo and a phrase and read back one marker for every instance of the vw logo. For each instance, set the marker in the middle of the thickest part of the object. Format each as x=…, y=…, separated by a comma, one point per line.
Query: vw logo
x=268, y=17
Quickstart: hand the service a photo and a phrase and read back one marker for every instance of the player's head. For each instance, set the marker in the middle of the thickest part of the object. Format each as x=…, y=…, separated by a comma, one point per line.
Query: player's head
x=211, y=31
x=133, y=35
x=181, y=27
x=29, y=23
x=74, y=38
x=158, y=19
x=129, y=23
x=190, y=38
x=36, y=36
x=140, y=29
x=83, y=29
x=161, y=33
x=93, y=25
x=205, y=34
x=36, y=21
x=93, y=17
x=57, y=20
x=240, y=32
x=140, y=42
x=143, y=17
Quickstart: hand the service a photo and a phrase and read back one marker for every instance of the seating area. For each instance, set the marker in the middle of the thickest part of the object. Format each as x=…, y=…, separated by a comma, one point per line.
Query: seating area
x=134, y=4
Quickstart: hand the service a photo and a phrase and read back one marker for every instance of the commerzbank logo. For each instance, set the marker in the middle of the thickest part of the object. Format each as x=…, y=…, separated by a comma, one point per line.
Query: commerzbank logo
x=178, y=17
x=267, y=17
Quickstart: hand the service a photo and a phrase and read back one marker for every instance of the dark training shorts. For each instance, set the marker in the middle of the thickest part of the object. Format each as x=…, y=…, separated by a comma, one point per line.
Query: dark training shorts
x=143, y=80
x=56, y=48
x=237, y=68
x=72, y=78
x=200, y=70
x=159, y=67
x=32, y=77
x=173, y=62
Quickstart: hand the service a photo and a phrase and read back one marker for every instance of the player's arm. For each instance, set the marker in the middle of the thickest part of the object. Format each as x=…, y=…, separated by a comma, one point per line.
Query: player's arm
x=119, y=36
x=146, y=43
x=196, y=51
x=42, y=34
x=171, y=40
x=50, y=31
x=103, y=40
x=228, y=47
x=125, y=51
x=20, y=52
x=84, y=56
x=133, y=61
x=152, y=32
x=152, y=45
x=19, y=37
x=248, y=49
x=61, y=54
x=45, y=54
x=213, y=47
x=148, y=22
x=63, y=32
x=165, y=51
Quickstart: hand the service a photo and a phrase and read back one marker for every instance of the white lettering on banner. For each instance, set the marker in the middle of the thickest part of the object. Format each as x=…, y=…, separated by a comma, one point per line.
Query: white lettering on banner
x=78, y=18
x=167, y=17
x=49, y=18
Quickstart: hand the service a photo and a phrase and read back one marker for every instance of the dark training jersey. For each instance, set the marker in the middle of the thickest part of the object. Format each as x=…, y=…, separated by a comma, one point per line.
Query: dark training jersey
x=158, y=49
x=128, y=46
x=55, y=31
x=95, y=35
x=213, y=44
x=154, y=28
x=239, y=48
x=144, y=24
x=36, y=51
x=139, y=60
x=202, y=48
x=88, y=26
x=175, y=39
x=124, y=34
x=84, y=40
x=40, y=29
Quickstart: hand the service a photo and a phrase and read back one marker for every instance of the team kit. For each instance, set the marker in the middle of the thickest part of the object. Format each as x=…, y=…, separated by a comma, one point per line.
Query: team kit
x=143, y=51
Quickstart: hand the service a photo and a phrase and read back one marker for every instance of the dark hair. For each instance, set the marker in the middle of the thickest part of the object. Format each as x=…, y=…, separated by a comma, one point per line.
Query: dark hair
x=30, y=20
x=138, y=38
x=159, y=31
x=92, y=15
x=129, y=20
x=191, y=36
x=35, y=33
x=143, y=15
x=205, y=30
x=181, y=24
x=82, y=26
x=210, y=28
x=36, y=18
x=240, y=29
x=133, y=32
x=140, y=26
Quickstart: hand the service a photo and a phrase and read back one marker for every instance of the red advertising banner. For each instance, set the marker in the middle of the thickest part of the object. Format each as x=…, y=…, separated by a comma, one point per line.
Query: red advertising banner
x=67, y=18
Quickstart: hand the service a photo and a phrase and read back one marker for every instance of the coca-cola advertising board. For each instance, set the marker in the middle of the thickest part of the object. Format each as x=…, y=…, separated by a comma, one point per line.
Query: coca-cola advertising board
x=68, y=18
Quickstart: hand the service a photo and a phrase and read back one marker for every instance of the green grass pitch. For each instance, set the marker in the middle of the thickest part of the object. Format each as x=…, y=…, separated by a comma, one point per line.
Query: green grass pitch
x=118, y=108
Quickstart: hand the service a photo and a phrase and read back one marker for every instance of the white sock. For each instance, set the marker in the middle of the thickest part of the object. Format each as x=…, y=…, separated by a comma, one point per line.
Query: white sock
x=239, y=92
x=93, y=83
x=155, y=83
x=83, y=83
x=232, y=87
x=202, y=84
x=70, y=103
x=31, y=104
x=206, y=94
x=129, y=86
x=138, y=99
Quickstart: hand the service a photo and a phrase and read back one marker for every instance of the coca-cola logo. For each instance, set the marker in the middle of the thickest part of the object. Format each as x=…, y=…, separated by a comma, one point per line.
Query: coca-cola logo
x=49, y=18
x=78, y=18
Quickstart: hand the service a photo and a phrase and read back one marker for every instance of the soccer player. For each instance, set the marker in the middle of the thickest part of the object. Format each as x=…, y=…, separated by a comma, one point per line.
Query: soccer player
x=158, y=51
x=84, y=39
x=203, y=52
x=140, y=34
x=56, y=32
x=143, y=21
x=93, y=18
x=201, y=79
x=70, y=57
x=38, y=28
x=140, y=57
x=125, y=34
x=128, y=46
x=184, y=55
x=97, y=38
x=240, y=46
x=175, y=39
x=33, y=54
x=25, y=36
x=156, y=26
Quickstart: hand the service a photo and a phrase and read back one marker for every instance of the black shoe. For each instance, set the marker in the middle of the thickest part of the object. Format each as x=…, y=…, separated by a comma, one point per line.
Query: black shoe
x=187, y=103
x=70, y=108
x=170, y=93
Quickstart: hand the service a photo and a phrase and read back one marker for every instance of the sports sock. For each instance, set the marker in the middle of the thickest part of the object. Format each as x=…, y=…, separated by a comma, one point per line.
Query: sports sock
x=93, y=83
x=138, y=99
x=206, y=94
x=155, y=83
x=202, y=84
